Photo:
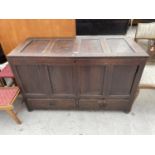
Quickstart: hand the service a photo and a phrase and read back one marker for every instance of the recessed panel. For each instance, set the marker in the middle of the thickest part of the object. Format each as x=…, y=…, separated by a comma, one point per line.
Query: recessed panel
x=119, y=45
x=91, y=80
x=63, y=46
x=122, y=79
x=62, y=80
x=91, y=46
x=34, y=79
x=35, y=46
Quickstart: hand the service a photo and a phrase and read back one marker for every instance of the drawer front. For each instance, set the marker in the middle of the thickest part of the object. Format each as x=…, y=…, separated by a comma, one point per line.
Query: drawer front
x=55, y=104
x=91, y=104
x=116, y=104
x=105, y=104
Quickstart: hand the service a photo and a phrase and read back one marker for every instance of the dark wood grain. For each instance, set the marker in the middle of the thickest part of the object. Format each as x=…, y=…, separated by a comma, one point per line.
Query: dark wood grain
x=34, y=79
x=62, y=80
x=103, y=104
x=121, y=79
x=86, y=73
x=55, y=104
x=82, y=47
x=91, y=80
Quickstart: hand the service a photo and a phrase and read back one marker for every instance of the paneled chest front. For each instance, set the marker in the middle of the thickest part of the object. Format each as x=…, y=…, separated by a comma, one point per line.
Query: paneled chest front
x=86, y=73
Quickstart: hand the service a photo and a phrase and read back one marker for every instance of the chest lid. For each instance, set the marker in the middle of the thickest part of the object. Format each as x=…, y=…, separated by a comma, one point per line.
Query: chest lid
x=80, y=46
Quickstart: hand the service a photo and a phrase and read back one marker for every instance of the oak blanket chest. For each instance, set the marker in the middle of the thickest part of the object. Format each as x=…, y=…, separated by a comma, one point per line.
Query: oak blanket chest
x=85, y=73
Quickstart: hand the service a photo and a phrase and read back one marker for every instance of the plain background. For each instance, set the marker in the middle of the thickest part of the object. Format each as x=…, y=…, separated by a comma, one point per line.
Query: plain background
x=77, y=145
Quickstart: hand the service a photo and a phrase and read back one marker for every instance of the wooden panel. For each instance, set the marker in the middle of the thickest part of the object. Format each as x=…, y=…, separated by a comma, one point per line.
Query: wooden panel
x=119, y=46
x=56, y=104
x=121, y=80
x=91, y=45
x=104, y=104
x=62, y=79
x=94, y=80
x=63, y=46
x=91, y=80
x=91, y=104
x=116, y=104
x=13, y=31
x=80, y=46
x=34, y=79
x=35, y=46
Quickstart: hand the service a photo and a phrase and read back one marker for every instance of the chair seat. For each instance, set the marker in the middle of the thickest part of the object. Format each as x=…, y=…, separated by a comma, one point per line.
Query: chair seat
x=6, y=72
x=7, y=95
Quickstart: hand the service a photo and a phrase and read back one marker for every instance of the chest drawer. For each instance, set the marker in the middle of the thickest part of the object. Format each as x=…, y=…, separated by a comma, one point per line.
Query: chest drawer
x=91, y=104
x=116, y=104
x=104, y=104
x=55, y=104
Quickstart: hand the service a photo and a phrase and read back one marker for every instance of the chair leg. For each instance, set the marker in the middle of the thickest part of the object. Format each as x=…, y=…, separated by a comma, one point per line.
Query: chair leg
x=14, y=116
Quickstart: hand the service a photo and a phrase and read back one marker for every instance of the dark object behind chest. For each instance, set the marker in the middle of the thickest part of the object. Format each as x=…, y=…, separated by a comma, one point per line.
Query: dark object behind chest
x=101, y=26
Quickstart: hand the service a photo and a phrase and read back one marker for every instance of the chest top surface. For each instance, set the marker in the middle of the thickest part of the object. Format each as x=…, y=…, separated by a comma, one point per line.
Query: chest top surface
x=80, y=46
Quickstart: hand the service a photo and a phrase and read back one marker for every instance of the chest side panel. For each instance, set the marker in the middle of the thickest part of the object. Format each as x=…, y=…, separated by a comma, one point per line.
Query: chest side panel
x=33, y=79
x=121, y=80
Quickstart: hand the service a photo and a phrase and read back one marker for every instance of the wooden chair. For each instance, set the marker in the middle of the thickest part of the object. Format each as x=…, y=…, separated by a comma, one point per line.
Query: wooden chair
x=6, y=73
x=7, y=98
x=146, y=31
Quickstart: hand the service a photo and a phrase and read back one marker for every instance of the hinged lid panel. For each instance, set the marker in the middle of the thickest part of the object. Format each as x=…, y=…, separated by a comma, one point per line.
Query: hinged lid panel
x=90, y=46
